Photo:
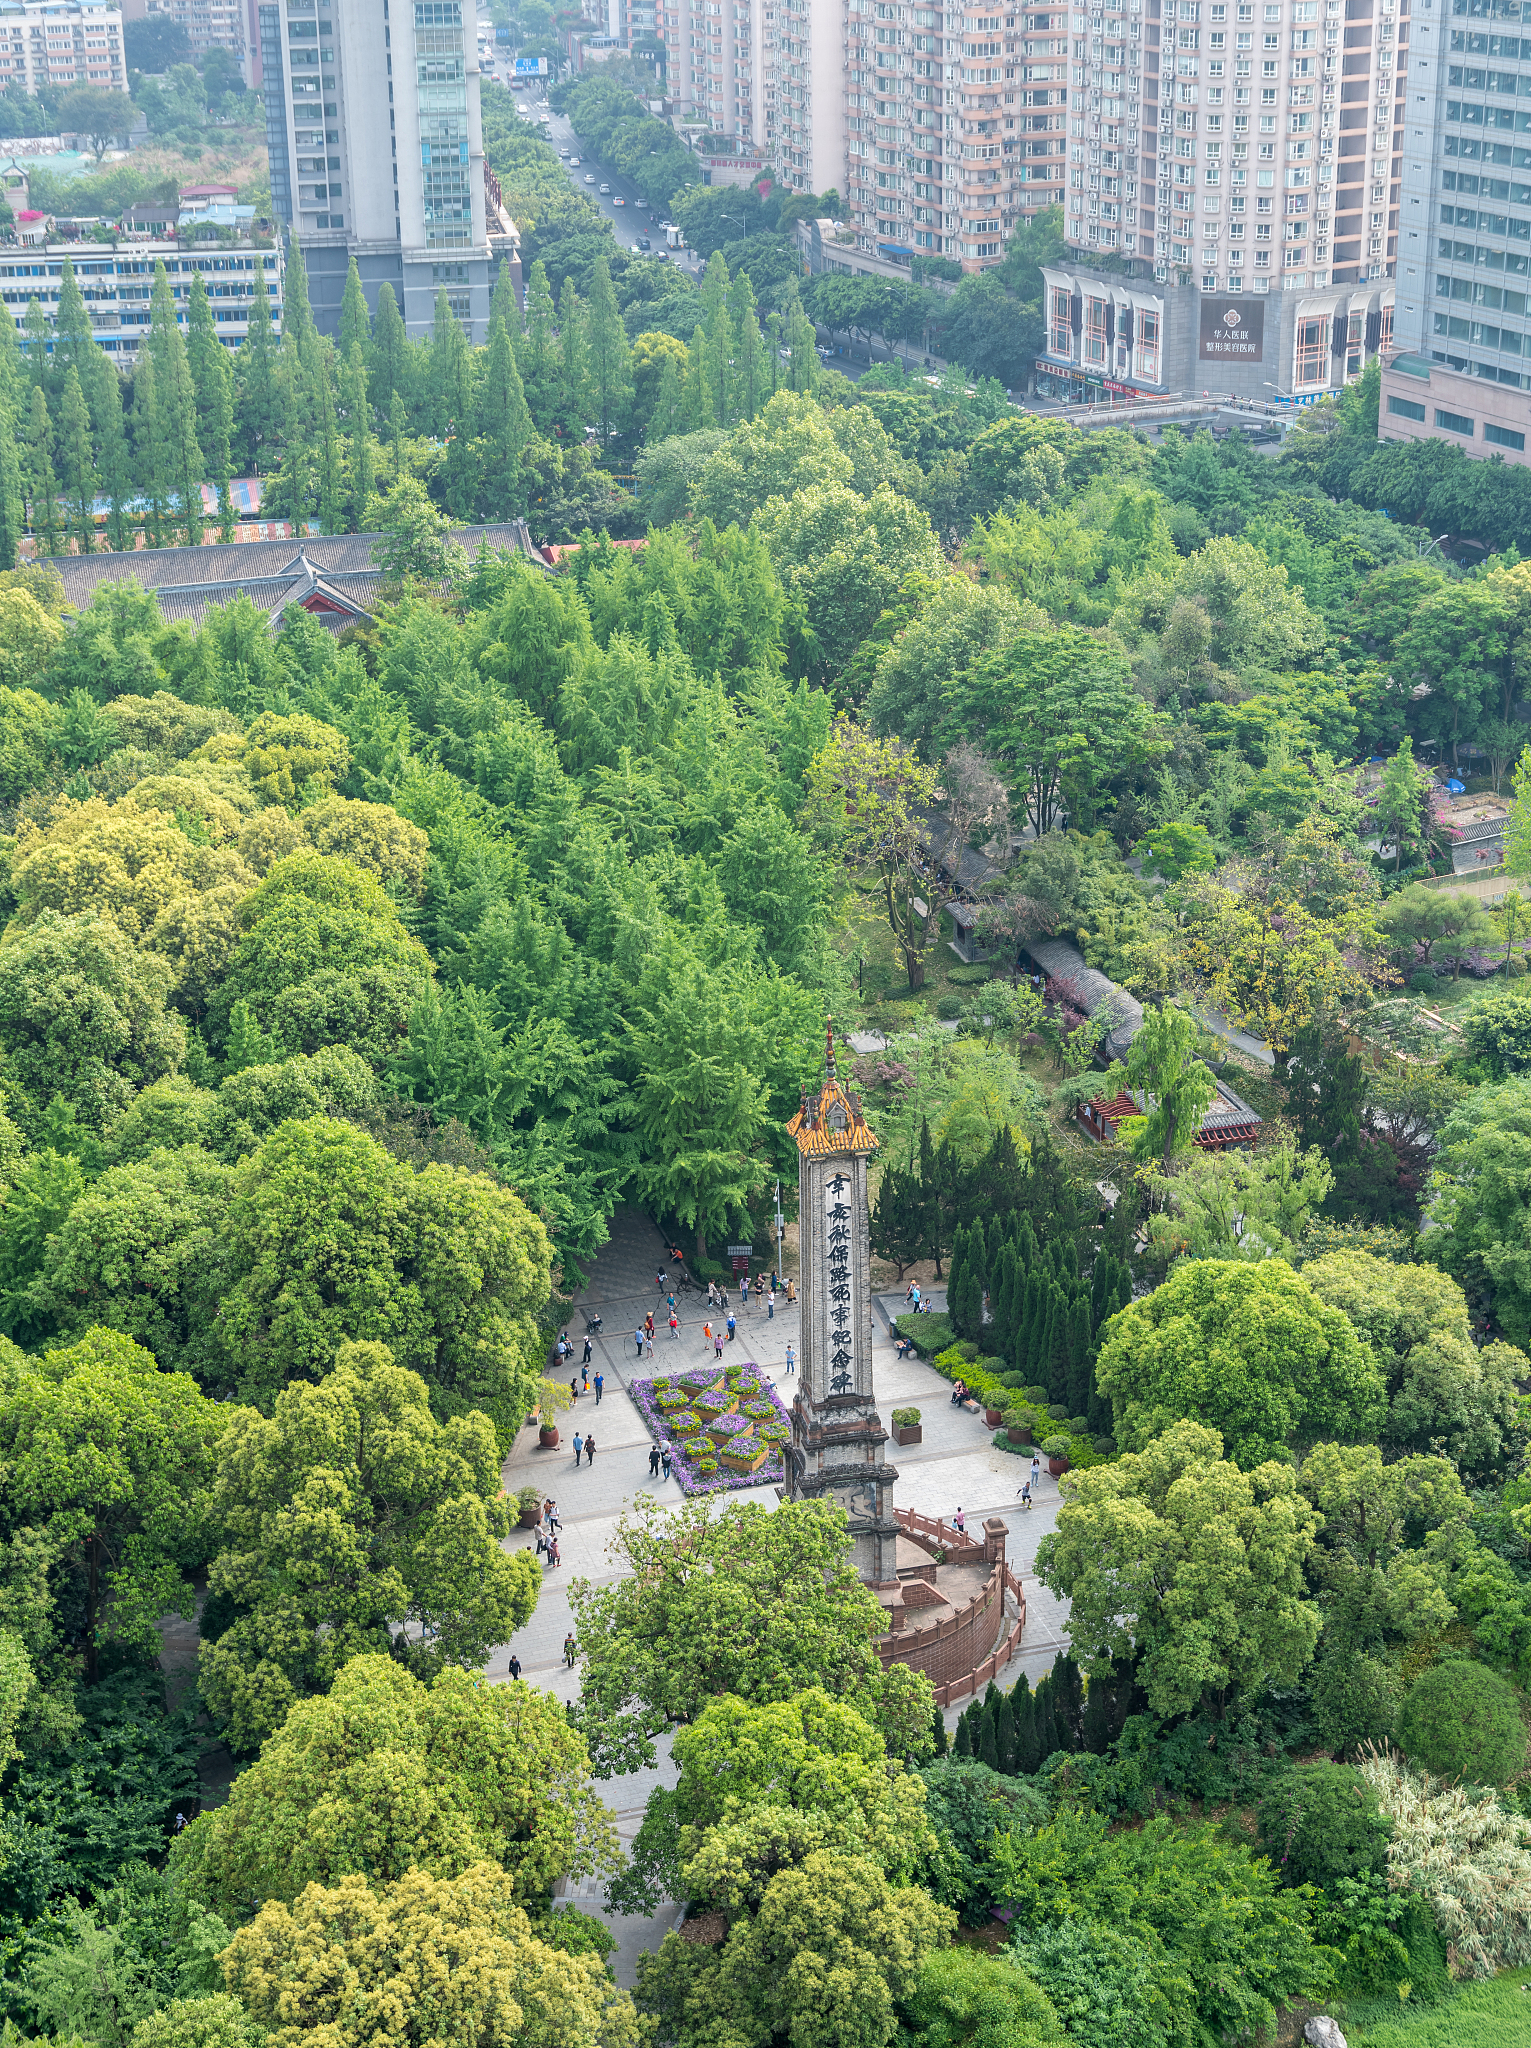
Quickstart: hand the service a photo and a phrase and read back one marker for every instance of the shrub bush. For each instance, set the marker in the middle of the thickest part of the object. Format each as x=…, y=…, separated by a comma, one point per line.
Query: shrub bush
x=1322, y=1822
x=969, y=976
x=1057, y=1446
x=1462, y=1721
x=930, y=1335
x=1039, y=1395
x=906, y=1418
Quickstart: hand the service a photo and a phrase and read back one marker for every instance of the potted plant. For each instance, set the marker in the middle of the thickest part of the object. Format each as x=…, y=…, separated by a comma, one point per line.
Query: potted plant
x=547, y=1435
x=529, y=1501
x=1018, y=1425
x=1055, y=1449
x=906, y=1426
x=992, y=1416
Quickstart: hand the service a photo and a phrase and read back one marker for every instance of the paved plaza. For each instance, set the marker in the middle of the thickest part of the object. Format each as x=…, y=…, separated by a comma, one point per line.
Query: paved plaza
x=956, y=1466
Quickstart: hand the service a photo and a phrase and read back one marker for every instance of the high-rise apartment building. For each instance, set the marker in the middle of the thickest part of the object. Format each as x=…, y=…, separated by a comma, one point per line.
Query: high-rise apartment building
x=376, y=151
x=714, y=67
x=1248, y=145
x=1464, y=260
x=61, y=43
x=209, y=24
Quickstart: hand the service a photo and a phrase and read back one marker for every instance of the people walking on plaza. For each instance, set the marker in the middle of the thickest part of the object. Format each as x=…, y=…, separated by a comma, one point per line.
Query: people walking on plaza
x=570, y=1650
x=574, y=1388
x=1025, y=1493
x=648, y=1343
x=706, y=1333
x=664, y=1459
x=586, y=1358
x=717, y=1341
x=648, y=1324
x=791, y=1292
x=638, y=1339
x=959, y=1523
x=775, y=1283
x=732, y=1326
x=653, y=1461
x=600, y=1381
x=589, y=1450
x=579, y=1445
x=712, y=1295
x=514, y=1666
x=1036, y=1469
x=791, y=1358
x=744, y=1292
x=674, y=1325
x=659, y=1279
x=759, y=1285
x=555, y=1557
x=771, y=1306
x=585, y=1375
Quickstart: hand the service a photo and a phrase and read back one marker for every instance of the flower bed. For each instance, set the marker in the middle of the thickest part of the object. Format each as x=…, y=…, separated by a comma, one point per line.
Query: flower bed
x=737, y=1449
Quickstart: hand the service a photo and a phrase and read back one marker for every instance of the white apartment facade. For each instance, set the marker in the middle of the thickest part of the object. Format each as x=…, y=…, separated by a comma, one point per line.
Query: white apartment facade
x=210, y=24
x=60, y=44
x=117, y=285
x=376, y=151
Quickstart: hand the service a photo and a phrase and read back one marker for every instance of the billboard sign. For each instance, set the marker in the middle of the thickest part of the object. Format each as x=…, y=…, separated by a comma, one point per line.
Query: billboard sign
x=530, y=67
x=1232, y=333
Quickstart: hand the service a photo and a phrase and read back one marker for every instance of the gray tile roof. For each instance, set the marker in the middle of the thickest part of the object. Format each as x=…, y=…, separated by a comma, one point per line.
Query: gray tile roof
x=273, y=573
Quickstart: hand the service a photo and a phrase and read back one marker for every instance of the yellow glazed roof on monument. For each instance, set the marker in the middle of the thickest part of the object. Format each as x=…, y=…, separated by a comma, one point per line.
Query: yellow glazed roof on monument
x=831, y=1121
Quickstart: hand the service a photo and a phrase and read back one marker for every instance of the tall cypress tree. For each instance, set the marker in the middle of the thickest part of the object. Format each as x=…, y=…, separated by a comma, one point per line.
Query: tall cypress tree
x=35, y=333
x=390, y=353
x=502, y=304
x=149, y=448
x=359, y=429
x=13, y=371
x=773, y=351
x=1004, y=1736
x=355, y=327
x=574, y=361
x=1078, y=1395
x=212, y=376
x=332, y=491
x=297, y=314
x=182, y=464
x=397, y=428
x=1002, y=1304
x=1047, y=1732
x=77, y=463
x=720, y=336
x=1068, y=1700
x=41, y=481
x=72, y=338
x=963, y=1746
x=803, y=367
x=1023, y=1709
x=669, y=404
x=701, y=394
x=610, y=381
x=988, y=1740
x=938, y=1731
x=538, y=355
x=115, y=460
x=746, y=319
x=257, y=410
x=1055, y=1375
x=12, y=490
x=504, y=424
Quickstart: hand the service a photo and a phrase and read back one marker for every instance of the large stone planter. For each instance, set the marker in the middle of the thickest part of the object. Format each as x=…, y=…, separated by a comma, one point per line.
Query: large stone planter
x=547, y=1437
x=530, y=1517
x=994, y=1417
x=1018, y=1436
x=1057, y=1467
x=908, y=1433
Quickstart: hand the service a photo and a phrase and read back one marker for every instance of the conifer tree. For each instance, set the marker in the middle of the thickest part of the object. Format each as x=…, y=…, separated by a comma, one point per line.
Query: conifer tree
x=701, y=393
x=1095, y=1730
x=13, y=371
x=773, y=351
x=1004, y=1736
x=332, y=491
x=41, y=480
x=1002, y=1304
x=503, y=302
x=258, y=409
x=359, y=427
x=1054, y=1371
x=804, y=366
x=355, y=327
x=988, y=1739
x=669, y=404
x=1024, y=1715
x=720, y=335
x=746, y=319
x=212, y=376
x=1047, y=1732
x=1068, y=1700
x=453, y=409
x=12, y=495
x=538, y=357
x=963, y=1746
x=149, y=447
x=35, y=331
x=1078, y=1395
x=956, y=1274
x=397, y=429
x=181, y=464
x=610, y=384
x=77, y=464
x=115, y=460
x=297, y=314
x=390, y=353
x=73, y=339
x=574, y=371
x=938, y=1731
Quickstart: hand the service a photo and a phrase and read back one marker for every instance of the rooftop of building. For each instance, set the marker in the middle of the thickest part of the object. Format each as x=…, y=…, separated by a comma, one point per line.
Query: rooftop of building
x=333, y=576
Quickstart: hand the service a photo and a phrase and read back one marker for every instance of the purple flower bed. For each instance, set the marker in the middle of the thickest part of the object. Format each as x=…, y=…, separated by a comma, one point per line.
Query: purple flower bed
x=683, y=1463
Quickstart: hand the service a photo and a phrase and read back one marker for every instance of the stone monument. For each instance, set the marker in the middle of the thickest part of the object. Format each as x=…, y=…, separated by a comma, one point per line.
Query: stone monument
x=838, y=1442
